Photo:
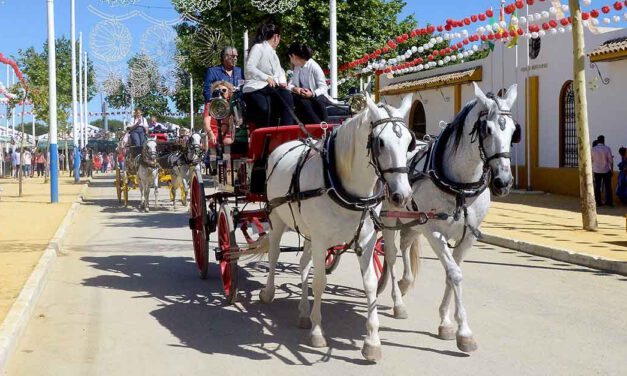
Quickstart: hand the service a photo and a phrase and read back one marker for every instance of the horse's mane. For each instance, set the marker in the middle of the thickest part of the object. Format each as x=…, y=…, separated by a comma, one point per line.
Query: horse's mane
x=347, y=136
x=456, y=127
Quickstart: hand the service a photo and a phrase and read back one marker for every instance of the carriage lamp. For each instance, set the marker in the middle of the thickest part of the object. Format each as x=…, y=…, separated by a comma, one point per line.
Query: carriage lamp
x=357, y=102
x=219, y=108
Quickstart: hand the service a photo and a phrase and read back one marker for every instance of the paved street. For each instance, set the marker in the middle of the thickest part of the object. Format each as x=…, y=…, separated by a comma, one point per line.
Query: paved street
x=125, y=299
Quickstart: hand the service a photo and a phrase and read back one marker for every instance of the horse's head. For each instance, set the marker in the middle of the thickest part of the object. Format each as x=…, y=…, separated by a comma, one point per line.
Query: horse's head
x=496, y=131
x=388, y=143
x=194, y=147
x=149, y=152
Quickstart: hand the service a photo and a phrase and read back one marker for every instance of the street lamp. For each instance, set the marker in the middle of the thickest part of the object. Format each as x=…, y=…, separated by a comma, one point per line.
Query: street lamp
x=52, y=106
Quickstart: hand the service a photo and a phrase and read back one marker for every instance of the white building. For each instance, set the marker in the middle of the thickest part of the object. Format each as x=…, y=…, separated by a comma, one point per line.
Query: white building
x=440, y=93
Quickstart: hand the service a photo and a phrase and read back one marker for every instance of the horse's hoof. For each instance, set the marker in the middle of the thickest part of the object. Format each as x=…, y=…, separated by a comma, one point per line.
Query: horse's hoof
x=446, y=333
x=265, y=296
x=400, y=312
x=304, y=322
x=466, y=344
x=317, y=340
x=403, y=286
x=371, y=353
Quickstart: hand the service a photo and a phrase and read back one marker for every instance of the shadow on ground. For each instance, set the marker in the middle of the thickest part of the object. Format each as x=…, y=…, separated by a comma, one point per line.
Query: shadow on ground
x=194, y=311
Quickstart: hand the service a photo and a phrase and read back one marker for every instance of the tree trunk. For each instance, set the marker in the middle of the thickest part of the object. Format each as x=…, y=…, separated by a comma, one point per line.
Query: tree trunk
x=586, y=190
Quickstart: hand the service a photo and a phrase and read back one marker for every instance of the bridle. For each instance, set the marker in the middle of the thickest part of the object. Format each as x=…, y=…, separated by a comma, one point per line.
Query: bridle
x=195, y=150
x=149, y=157
x=373, y=143
x=479, y=131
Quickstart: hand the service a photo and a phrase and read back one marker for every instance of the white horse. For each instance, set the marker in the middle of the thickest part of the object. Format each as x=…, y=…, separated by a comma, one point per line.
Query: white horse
x=366, y=149
x=148, y=173
x=182, y=164
x=471, y=154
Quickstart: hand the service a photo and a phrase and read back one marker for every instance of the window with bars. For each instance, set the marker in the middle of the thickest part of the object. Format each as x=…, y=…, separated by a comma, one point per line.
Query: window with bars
x=568, y=129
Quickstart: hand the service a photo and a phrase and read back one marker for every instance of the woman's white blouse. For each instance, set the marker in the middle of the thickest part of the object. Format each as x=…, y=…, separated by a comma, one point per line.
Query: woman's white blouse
x=310, y=76
x=263, y=62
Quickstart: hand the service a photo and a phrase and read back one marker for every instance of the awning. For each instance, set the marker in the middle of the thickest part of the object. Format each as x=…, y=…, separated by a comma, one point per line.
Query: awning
x=434, y=82
x=615, y=49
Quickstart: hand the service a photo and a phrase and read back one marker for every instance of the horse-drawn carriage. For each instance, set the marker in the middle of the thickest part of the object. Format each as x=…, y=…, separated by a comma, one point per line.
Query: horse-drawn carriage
x=440, y=192
x=160, y=158
x=238, y=202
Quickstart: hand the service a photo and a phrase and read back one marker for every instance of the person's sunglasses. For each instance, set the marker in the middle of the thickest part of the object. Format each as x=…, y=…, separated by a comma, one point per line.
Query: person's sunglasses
x=224, y=90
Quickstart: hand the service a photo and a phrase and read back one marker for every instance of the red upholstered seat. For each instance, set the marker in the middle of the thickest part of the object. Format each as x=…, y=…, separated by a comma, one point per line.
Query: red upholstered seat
x=161, y=137
x=277, y=136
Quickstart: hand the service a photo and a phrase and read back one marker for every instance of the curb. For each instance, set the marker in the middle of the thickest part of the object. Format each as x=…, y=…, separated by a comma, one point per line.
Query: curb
x=14, y=324
x=560, y=254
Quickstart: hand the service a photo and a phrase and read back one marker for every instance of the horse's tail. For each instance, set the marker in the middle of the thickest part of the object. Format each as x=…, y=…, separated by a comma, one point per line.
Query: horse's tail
x=255, y=251
x=414, y=257
x=412, y=242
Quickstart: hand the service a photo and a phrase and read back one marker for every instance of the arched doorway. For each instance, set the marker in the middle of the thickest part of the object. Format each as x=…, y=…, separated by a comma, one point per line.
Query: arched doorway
x=418, y=119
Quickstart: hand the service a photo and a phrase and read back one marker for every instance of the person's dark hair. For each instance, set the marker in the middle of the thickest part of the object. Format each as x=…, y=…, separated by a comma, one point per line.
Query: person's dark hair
x=224, y=51
x=301, y=50
x=622, y=151
x=266, y=32
x=595, y=143
x=601, y=139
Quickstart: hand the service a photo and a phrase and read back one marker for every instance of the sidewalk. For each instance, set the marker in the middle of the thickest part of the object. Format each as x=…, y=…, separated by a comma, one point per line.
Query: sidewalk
x=550, y=225
x=27, y=224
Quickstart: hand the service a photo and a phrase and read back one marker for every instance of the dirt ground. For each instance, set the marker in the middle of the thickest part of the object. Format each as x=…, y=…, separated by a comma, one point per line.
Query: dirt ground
x=27, y=224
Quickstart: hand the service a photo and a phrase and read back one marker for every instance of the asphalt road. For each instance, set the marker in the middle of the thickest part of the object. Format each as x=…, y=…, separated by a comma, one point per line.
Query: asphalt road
x=125, y=299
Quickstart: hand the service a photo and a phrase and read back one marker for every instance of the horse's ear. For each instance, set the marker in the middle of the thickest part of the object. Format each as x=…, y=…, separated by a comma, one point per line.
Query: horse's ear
x=480, y=95
x=406, y=105
x=511, y=95
x=372, y=107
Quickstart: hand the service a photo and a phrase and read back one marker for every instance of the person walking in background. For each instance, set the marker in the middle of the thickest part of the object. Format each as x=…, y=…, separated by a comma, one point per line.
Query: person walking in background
x=105, y=162
x=15, y=162
x=62, y=160
x=41, y=164
x=602, y=166
x=621, y=187
x=28, y=159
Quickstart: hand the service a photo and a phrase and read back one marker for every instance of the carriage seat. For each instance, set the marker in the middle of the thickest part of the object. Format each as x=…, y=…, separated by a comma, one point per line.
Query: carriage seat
x=338, y=113
x=263, y=141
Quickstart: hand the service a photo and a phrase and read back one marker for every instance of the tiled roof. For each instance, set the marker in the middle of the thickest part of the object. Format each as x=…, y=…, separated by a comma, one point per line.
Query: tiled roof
x=441, y=80
x=610, y=50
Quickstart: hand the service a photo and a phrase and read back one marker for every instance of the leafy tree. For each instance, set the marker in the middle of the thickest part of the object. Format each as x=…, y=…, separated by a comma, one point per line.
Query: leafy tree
x=114, y=125
x=34, y=65
x=153, y=102
x=363, y=25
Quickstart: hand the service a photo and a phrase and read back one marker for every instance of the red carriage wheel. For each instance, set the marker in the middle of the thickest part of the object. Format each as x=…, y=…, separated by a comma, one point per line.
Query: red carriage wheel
x=380, y=265
x=197, y=223
x=227, y=246
x=333, y=258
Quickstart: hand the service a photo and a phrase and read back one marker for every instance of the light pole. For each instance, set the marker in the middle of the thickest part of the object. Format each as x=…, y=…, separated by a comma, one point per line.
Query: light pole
x=75, y=122
x=333, y=19
x=52, y=92
x=191, y=101
x=80, y=90
x=85, y=98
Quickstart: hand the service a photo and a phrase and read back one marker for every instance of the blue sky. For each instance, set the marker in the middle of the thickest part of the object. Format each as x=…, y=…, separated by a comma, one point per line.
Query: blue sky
x=25, y=23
